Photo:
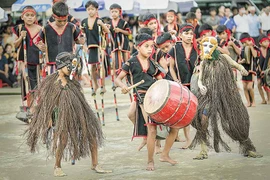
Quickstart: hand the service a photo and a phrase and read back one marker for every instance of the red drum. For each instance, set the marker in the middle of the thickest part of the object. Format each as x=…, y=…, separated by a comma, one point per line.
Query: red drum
x=170, y=103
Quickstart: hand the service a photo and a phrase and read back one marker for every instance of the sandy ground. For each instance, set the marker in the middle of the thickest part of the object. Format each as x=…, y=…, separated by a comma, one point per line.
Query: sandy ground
x=120, y=153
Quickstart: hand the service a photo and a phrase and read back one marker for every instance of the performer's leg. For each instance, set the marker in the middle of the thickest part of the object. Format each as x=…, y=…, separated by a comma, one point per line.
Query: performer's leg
x=151, y=138
x=132, y=112
x=94, y=76
x=94, y=157
x=204, y=123
x=250, y=87
x=164, y=157
x=158, y=147
x=178, y=138
x=103, y=57
x=187, y=135
x=246, y=92
x=261, y=91
x=59, y=154
x=126, y=56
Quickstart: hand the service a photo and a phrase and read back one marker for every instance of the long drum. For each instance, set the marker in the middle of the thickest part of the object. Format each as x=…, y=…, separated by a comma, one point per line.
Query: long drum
x=170, y=103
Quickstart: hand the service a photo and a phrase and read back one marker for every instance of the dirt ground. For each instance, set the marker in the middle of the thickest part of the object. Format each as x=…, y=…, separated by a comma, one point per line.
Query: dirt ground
x=120, y=153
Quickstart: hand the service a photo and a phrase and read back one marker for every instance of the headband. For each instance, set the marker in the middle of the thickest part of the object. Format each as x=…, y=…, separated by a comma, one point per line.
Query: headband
x=204, y=32
x=144, y=41
x=247, y=39
x=186, y=27
x=264, y=39
x=60, y=17
x=165, y=42
x=29, y=10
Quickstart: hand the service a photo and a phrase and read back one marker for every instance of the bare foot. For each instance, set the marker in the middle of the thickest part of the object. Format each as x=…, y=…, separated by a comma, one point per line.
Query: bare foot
x=58, y=172
x=167, y=159
x=187, y=144
x=254, y=154
x=142, y=144
x=98, y=169
x=150, y=166
x=203, y=155
x=253, y=105
x=264, y=102
x=248, y=105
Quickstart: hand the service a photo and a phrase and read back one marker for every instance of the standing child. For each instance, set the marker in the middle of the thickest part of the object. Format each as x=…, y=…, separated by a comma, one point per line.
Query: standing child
x=150, y=21
x=248, y=56
x=58, y=36
x=264, y=54
x=141, y=68
x=225, y=40
x=92, y=27
x=28, y=53
x=183, y=59
x=120, y=32
x=172, y=27
x=63, y=119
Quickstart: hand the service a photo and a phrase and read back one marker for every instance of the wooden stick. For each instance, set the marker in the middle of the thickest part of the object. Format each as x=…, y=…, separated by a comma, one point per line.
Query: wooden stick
x=135, y=85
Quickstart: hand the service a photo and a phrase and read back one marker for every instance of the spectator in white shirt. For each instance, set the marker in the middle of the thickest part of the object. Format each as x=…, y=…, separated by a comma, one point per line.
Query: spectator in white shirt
x=241, y=21
x=265, y=19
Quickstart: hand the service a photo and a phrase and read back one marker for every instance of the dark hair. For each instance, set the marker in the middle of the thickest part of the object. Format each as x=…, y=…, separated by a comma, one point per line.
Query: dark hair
x=191, y=15
x=141, y=37
x=91, y=3
x=163, y=38
x=173, y=11
x=233, y=8
x=115, y=6
x=261, y=37
x=29, y=7
x=244, y=35
x=148, y=16
x=187, y=29
x=212, y=9
x=194, y=9
x=268, y=32
x=8, y=44
x=60, y=9
x=140, y=18
x=205, y=27
x=221, y=28
x=146, y=30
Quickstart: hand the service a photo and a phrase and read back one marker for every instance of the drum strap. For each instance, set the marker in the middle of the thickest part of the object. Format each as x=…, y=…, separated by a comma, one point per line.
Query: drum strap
x=176, y=64
x=135, y=89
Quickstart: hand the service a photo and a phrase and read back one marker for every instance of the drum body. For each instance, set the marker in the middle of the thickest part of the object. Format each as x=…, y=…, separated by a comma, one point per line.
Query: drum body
x=170, y=103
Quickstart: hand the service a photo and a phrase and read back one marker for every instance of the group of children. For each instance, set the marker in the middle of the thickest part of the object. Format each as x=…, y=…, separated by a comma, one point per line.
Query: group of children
x=173, y=55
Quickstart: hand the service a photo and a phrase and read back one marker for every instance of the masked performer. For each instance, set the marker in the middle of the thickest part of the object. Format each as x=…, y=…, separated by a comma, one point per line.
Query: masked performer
x=63, y=119
x=220, y=97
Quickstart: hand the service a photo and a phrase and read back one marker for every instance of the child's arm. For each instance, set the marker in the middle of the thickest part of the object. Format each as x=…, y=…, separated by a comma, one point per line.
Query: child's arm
x=253, y=50
x=236, y=65
x=118, y=82
x=19, y=35
x=172, y=71
x=223, y=50
x=39, y=41
x=125, y=32
x=104, y=27
x=235, y=47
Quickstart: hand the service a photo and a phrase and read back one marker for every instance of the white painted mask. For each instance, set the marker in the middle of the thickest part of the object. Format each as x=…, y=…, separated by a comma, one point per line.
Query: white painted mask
x=207, y=46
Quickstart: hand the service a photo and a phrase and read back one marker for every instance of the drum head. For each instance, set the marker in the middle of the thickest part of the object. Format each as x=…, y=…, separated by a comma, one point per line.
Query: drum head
x=156, y=96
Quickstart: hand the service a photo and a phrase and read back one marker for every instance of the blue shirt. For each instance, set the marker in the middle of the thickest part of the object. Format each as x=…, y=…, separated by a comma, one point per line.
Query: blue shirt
x=254, y=25
x=229, y=24
x=3, y=62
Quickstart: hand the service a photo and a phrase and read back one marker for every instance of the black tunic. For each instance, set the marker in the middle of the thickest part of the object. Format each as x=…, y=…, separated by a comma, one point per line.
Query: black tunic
x=249, y=67
x=32, y=50
x=57, y=43
x=184, y=63
x=123, y=39
x=176, y=28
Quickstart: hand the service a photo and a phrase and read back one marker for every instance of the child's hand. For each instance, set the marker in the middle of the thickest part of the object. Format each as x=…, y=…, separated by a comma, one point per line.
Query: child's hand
x=117, y=30
x=124, y=90
x=99, y=22
x=41, y=46
x=173, y=32
x=23, y=34
x=230, y=43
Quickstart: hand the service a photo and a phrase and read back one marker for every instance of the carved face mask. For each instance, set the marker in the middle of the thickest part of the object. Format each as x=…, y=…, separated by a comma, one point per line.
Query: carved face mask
x=207, y=46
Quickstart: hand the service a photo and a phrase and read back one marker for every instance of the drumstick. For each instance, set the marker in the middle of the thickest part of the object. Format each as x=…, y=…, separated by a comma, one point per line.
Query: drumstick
x=135, y=85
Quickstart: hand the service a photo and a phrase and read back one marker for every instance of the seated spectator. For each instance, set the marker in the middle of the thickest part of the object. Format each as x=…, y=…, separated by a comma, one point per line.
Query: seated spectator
x=11, y=58
x=4, y=73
